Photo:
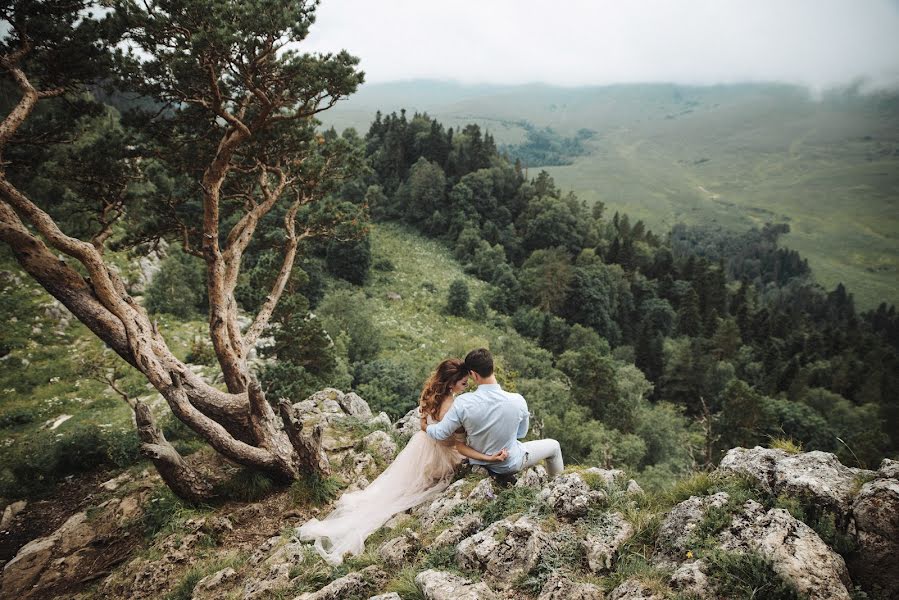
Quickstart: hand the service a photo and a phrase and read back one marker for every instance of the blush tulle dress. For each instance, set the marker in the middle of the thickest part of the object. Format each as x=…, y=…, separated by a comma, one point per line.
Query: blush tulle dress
x=422, y=470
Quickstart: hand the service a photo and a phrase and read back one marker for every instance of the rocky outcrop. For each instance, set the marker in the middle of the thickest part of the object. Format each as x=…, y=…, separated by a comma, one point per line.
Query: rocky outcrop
x=690, y=578
x=354, y=585
x=400, y=549
x=602, y=542
x=465, y=526
x=442, y=506
x=482, y=492
x=380, y=444
x=569, y=496
x=633, y=589
x=534, y=477
x=440, y=585
x=409, y=423
x=209, y=588
x=82, y=545
x=676, y=529
x=505, y=550
x=818, y=476
x=559, y=587
x=277, y=577
x=795, y=550
x=875, y=524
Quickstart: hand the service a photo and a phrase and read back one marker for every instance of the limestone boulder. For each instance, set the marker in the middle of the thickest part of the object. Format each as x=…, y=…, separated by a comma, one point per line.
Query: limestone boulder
x=482, y=492
x=632, y=589
x=569, y=496
x=559, y=587
x=505, y=550
x=797, y=553
x=875, y=524
x=690, y=578
x=466, y=525
x=401, y=549
x=535, y=477
x=818, y=476
x=601, y=544
x=409, y=423
x=440, y=585
x=443, y=506
x=675, y=531
x=379, y=443
x=353, y=585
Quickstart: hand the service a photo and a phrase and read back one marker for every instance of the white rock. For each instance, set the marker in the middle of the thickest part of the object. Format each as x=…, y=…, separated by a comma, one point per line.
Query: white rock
x=601, y=544
x=400, y=549
x=569, y=496
x=534, y=477
x=634, y=590
x=559, y=587
x=690, y=578
x=354, y=584
x=215, y=580
x=818, y=475
x=506, y=550
x=482, y=492
x=439, y=585
x=382, y=421
x=381, y=444
x=679, y=523
x=875, y=522
x=10, y=512
x=796, y=552
x=462, y=528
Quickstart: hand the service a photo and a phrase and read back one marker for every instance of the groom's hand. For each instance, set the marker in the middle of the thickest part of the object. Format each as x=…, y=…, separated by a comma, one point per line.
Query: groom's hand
x=500, y=456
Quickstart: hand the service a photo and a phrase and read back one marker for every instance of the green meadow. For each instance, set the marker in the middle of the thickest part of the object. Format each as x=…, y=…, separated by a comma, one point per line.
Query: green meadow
x=730, y=156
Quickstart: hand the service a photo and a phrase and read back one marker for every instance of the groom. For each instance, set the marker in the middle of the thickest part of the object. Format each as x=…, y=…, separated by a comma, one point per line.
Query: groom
x=494, y=419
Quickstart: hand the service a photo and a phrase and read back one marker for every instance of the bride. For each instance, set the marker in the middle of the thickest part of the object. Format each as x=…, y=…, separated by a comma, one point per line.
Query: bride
x=422, y=470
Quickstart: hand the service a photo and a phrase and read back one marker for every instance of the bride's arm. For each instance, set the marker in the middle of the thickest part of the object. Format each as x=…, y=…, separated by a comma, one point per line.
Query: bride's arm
x=470, y=452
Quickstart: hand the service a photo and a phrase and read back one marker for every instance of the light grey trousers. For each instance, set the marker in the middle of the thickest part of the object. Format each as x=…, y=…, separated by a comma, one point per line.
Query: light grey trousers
x=538, y=450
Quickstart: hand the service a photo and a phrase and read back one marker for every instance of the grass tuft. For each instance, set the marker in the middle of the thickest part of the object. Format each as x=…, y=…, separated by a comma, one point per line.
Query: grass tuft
x=788, y=445
x=314, y=490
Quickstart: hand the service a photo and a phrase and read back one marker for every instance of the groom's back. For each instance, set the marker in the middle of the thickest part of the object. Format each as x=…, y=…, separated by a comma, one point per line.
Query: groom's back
x=491, y=417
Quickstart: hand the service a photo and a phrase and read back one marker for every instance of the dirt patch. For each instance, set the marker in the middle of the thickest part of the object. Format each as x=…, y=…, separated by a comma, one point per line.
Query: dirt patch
x=42, y=517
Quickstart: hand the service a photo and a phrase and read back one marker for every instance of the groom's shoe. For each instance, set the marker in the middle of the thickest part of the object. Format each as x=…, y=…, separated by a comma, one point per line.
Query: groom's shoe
x=503, y=479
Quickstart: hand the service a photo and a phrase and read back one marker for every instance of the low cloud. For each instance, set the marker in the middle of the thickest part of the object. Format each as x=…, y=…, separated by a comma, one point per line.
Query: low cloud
x=818, y=43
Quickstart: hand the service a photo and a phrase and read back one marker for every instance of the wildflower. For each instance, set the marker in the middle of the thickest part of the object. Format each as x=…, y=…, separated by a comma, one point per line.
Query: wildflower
x=689, y=554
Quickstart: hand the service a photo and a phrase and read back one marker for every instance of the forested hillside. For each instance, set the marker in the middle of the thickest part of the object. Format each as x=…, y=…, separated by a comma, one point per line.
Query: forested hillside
x=731, y=331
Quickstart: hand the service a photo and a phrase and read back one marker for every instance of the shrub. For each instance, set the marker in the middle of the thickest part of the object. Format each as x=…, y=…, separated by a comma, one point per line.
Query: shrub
x=17, y=416
x=458, y=298
x=200, y=352
x=35, y=465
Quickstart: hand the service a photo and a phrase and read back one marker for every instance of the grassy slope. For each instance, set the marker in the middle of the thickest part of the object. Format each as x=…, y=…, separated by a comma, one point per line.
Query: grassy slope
x=734, y=156
x=416, y=331
x=43, y=380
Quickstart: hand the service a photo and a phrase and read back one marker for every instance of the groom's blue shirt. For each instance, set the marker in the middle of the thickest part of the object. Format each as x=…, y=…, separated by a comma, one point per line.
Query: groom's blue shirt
x=493, y=419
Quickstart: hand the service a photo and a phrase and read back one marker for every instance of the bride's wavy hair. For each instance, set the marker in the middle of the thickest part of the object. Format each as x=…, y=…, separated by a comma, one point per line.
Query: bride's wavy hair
x=439, y=384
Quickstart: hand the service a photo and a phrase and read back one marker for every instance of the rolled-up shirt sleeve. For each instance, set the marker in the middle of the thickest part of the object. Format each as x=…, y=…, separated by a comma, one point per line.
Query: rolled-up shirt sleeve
x=451, y=421
x=525, y=422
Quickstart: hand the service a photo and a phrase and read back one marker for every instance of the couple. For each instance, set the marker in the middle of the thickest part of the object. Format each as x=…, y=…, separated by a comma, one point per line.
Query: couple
x=484, y=425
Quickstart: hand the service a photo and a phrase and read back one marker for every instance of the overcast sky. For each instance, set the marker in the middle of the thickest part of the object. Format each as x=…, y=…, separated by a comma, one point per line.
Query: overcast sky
x=820, y=43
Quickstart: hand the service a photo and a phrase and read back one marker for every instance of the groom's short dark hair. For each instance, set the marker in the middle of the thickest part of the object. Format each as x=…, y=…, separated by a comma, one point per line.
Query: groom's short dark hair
x=480, y=361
